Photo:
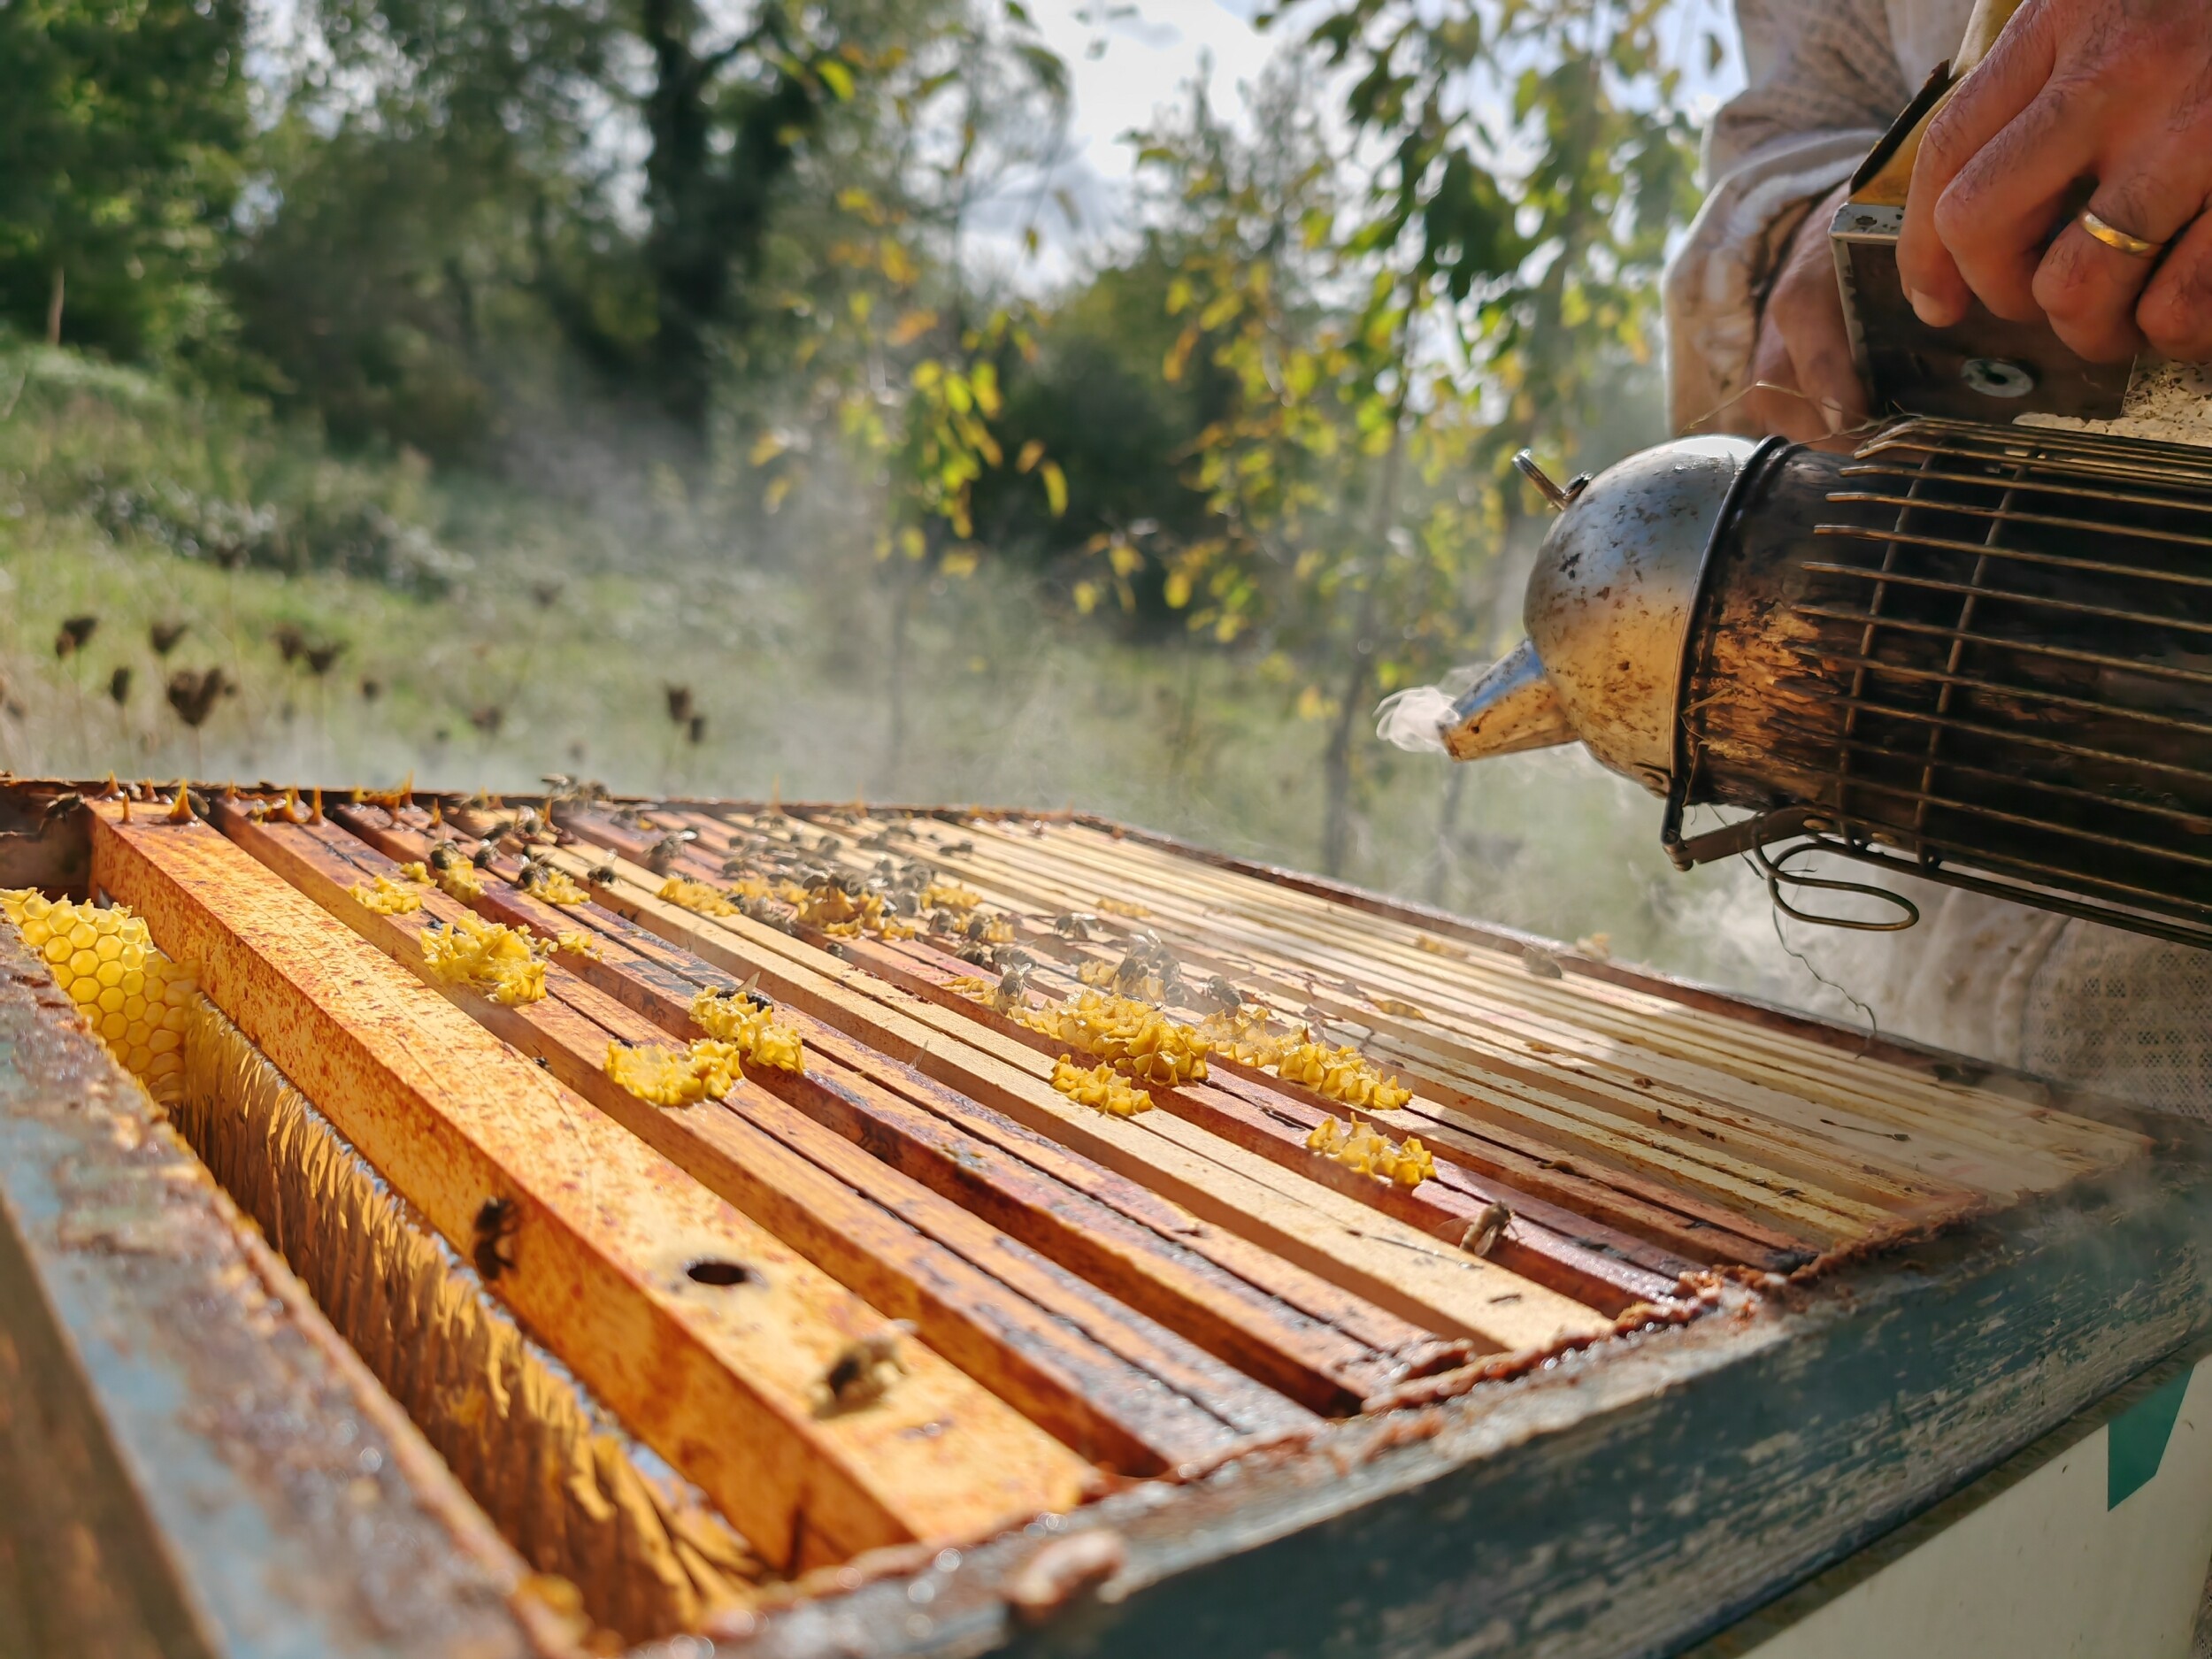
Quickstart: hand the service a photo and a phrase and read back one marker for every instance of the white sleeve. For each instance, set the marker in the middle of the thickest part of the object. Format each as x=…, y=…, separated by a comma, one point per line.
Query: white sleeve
x=1823, y=84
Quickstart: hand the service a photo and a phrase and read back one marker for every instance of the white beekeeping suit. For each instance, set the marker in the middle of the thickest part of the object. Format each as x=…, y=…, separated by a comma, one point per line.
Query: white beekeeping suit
x=2125, y=1015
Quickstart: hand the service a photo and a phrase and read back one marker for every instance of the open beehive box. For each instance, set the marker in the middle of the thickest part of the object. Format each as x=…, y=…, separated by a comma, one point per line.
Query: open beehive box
x=844, y=1230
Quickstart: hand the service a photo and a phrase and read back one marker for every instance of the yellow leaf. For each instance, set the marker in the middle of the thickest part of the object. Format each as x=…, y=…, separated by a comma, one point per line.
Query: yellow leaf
x=837, y=78
x=912, y=326
x=959, y=561
x=1056, y=487
x=1178, y=593
x=912, y=543
x=1032, y=452
x=772, y=497
x=1312, y=704
x=1086, y=597
x=1126, y=559
x=767, y=447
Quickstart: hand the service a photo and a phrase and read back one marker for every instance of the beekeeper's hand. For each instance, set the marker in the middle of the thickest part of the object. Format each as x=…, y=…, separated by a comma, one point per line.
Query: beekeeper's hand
x=1803, y=386
x=2110, y=96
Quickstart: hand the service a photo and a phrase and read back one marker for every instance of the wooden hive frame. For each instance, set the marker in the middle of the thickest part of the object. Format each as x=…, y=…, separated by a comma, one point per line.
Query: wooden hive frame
x=1139, y=1364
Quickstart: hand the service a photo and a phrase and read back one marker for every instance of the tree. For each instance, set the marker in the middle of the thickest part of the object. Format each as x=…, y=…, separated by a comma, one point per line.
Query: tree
x=1403, y=310
x=121, y=126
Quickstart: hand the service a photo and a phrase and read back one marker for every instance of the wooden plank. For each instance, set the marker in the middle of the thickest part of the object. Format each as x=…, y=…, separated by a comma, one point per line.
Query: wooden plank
x=1106, y=1381
x=1403, y=969
x=1257, y=1112
x=721, y=1379
x=1366, y=1252
x=1739, y=1050
x=1295, y=1332
x=1696, y=1228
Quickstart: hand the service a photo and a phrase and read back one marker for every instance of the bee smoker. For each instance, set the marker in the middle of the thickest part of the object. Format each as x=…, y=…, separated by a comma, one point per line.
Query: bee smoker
x=1977, y=654
x=1975, y=650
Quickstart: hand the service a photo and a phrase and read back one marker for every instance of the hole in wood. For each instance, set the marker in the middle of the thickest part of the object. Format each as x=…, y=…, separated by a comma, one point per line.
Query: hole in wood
x=714, y=1271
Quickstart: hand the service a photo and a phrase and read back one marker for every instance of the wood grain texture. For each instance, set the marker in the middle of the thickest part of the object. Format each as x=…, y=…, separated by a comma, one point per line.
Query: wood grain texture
x=720, y=1379
x=1370, y=1254
x=1106, y=1381
x=1300, y=1334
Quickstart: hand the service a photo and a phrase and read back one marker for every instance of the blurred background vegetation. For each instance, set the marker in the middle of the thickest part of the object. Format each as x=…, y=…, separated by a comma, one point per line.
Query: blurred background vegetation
x=630, y=389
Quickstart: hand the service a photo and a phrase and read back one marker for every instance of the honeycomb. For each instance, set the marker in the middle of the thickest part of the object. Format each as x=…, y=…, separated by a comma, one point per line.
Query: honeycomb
x=504, y=963
x=1134, y=1038
x=750, y=1026
x=1362, y=1147
x=696, y=896
x=1102, y=1087
x=386, y=896
x=136, y=1000
x=708, y=1070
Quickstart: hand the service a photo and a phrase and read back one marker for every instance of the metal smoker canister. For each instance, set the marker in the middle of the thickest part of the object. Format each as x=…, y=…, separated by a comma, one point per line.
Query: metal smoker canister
x=1981, y=655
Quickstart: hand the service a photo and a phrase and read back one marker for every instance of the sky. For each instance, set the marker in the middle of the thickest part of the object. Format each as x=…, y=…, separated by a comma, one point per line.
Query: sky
x=1122, y=72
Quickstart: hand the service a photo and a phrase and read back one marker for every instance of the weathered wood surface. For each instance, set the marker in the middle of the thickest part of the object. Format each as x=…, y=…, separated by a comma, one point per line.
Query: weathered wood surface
x=170, y=1484
x=724, y=1379
x=1339, y=1239
x=1277, y=1323
x=1741, y=1079
x=1106, y=1381
x=1655, y=1106
x=1635, y=1499
x=1500, y=1154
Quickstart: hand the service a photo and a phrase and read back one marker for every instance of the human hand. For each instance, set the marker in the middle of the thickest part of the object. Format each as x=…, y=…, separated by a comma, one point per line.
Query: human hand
x=1804, y=384
x=2116, y=92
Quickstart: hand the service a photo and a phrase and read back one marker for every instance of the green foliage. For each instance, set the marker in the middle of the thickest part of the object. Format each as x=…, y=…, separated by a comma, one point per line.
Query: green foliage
x=120, y=124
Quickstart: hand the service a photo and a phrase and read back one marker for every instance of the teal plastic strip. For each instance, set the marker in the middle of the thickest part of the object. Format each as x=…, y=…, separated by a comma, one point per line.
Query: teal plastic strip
x=2135, y=1441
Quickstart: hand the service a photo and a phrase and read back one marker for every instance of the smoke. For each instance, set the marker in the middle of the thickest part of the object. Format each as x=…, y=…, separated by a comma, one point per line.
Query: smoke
x=1414, y=719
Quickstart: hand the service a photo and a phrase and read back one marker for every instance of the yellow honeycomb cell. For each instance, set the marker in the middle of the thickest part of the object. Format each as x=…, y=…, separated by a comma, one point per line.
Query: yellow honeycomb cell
x=134, y=999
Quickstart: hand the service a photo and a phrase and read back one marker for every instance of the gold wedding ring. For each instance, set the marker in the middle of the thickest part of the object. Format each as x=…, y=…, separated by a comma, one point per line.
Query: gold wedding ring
x=2112, y=236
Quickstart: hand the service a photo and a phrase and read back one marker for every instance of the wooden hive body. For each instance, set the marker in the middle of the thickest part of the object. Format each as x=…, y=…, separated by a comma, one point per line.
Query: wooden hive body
x=910, y=1349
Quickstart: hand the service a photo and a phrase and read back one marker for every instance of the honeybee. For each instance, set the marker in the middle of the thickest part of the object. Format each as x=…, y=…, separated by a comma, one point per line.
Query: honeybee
x=496, y=1224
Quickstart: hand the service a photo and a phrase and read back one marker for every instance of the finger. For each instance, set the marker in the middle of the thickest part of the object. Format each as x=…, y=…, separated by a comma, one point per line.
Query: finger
x=2175, y=312
x=1997, y=216
x=1821, y=357
x=2090, y=290
x=1773, y=401
x=1980, y=107
x=1783, y=413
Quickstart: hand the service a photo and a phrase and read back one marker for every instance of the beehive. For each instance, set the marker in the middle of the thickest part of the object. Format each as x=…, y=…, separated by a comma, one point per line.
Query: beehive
x=957, y=1172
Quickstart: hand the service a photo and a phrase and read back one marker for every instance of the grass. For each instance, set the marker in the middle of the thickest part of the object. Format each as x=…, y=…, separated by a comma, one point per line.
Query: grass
x=551, y=640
